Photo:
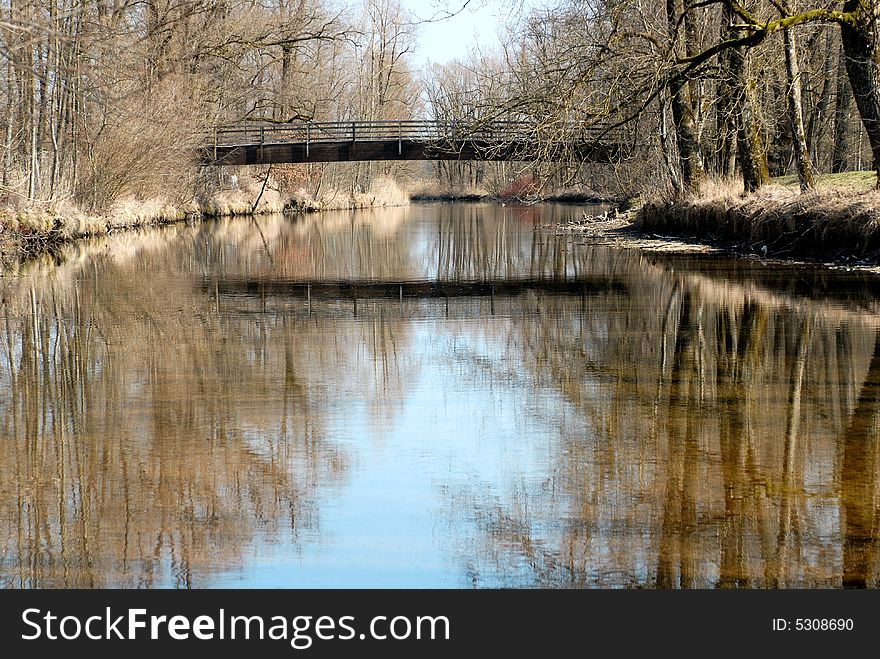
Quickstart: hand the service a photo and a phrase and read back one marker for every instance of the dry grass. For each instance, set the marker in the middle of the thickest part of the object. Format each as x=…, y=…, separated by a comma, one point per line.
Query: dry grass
x=24, y=232
x=226, y=203
x=384, y=192
x=250, y=196
x=840, y=221
x=27, y=231
x=844, y=183
x=134, y=213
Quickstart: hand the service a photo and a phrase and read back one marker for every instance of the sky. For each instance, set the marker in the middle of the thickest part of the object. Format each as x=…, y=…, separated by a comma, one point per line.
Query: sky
x=478, y=22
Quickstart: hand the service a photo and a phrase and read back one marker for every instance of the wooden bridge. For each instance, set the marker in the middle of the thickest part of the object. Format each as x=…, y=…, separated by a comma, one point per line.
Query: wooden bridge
x=399, y=140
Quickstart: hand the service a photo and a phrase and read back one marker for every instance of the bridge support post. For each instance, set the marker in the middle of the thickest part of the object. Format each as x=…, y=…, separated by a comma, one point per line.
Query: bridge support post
x=399, y=139
x=308, y=138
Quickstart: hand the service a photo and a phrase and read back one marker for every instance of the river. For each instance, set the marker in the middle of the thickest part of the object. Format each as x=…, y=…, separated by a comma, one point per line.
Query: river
x=434, y=396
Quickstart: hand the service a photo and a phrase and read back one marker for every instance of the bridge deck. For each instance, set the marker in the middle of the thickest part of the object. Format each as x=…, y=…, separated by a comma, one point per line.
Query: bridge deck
x=396, y=140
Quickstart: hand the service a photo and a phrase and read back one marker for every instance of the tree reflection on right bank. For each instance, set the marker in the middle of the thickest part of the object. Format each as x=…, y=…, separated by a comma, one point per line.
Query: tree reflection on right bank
x=715, y=434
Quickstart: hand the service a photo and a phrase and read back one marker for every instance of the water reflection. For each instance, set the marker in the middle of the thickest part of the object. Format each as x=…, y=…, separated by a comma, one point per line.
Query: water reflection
x=182, y=408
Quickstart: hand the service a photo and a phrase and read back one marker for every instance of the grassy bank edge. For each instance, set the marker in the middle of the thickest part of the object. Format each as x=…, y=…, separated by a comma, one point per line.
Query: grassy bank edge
x=817, y=227
x=838, y=224
x=25, y=233
x=480, y=196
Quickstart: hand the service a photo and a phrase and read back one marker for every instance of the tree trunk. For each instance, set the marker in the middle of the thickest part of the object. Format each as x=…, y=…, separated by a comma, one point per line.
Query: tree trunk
x=692, y=172
x=818, y=117
x=10, y=118
x=862, y=57
x=749, y=146
x=681, y=103
x=726, y=119
x=842, y=108
x=283, y=112
x=667, y=147
x=795, y=113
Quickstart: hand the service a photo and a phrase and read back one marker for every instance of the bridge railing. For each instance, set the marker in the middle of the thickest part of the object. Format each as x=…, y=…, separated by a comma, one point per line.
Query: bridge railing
x=366, y=131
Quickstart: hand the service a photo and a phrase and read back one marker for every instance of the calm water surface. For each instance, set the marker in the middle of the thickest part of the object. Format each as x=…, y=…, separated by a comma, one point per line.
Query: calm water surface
x=442, y=396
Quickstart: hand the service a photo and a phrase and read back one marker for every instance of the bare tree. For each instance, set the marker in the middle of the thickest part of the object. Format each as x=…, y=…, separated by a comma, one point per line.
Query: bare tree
x=795, y=111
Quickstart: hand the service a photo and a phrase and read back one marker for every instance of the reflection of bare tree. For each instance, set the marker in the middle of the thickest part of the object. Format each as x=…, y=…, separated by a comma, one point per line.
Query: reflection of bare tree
x=703, y=447
x=859, y=482
x=702, y=431
x=478, y=242
x=679, y=514
x=787, y=518
x=445, y=242
x=155, y=432
x=148, y=440
x=738, y=359
x=343, y=245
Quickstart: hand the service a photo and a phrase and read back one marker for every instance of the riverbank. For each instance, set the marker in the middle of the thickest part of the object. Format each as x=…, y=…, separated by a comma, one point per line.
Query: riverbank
x=34, y=229
x=481, y=195
x=30, y=231
x=838, y=223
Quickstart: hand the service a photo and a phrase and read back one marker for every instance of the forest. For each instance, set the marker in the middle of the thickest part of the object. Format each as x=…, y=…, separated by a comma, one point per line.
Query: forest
x=105, y=103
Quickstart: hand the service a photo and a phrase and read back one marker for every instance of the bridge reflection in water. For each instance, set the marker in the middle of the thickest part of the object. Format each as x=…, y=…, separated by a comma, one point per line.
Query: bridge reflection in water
x=320, y=289
x=706, y=423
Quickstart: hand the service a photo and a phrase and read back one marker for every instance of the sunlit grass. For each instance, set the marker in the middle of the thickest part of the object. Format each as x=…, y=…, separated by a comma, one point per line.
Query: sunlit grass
x=846, y=182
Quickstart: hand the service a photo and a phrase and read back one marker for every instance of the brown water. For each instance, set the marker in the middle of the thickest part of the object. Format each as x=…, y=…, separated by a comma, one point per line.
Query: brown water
x=434, y=396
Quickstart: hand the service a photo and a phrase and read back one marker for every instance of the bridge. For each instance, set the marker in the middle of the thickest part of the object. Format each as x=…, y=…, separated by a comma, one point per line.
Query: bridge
x=349, y=141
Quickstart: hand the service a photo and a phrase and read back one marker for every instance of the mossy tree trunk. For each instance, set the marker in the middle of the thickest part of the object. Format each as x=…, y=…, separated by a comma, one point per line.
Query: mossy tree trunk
x=683, y=115
x=795, y=113
x=749, y=145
